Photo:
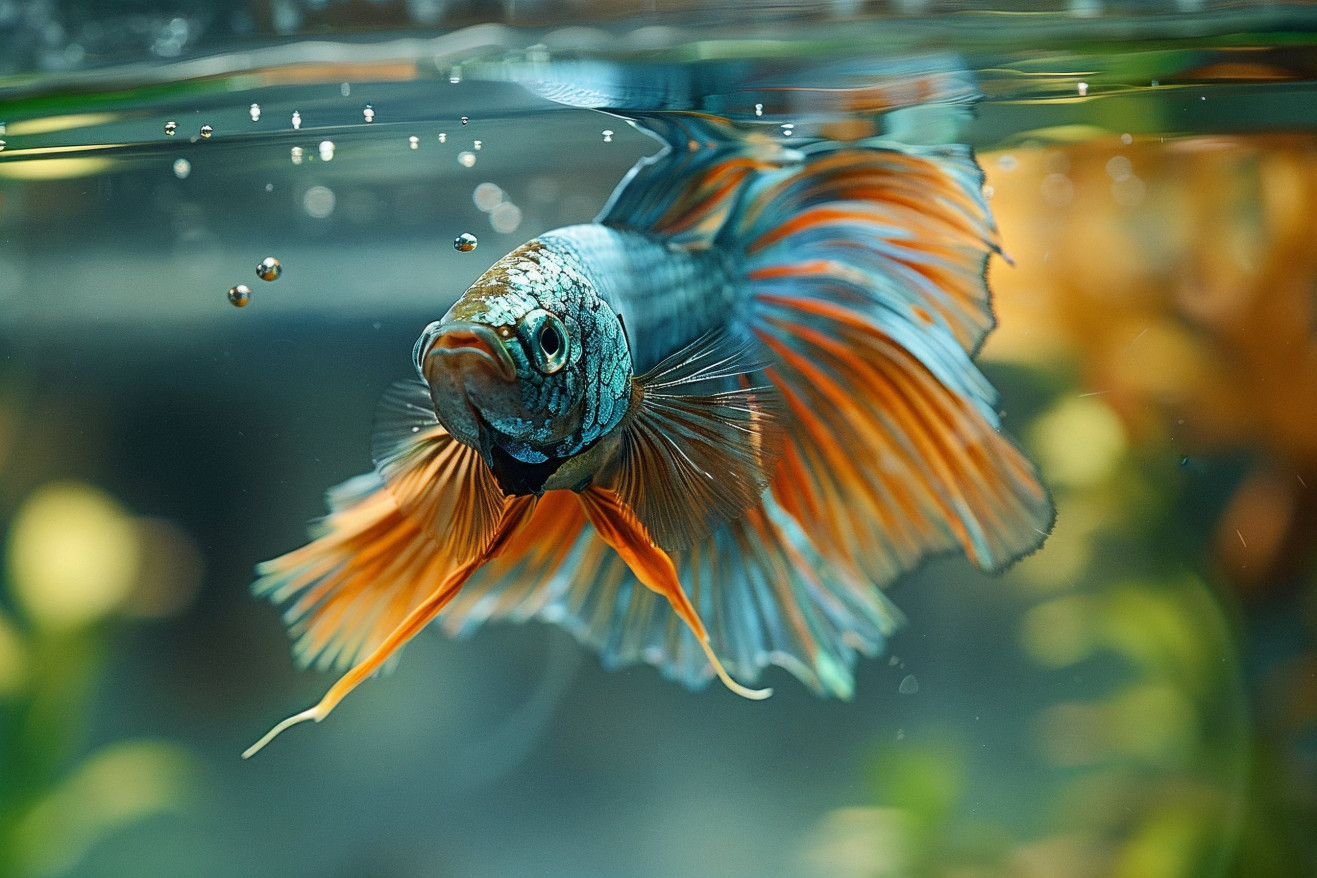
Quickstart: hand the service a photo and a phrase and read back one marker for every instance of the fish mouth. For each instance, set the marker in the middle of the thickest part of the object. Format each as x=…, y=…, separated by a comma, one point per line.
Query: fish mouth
x=458, y=340
x=470, y=374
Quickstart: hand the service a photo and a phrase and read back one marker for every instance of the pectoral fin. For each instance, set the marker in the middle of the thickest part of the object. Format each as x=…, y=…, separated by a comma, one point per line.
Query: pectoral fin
x=702, y=441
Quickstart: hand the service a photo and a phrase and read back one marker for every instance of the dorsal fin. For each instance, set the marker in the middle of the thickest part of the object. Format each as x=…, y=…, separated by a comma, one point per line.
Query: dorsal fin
x=687, y=191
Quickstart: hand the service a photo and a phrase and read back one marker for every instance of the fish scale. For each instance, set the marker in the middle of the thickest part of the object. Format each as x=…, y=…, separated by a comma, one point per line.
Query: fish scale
x=667, y=296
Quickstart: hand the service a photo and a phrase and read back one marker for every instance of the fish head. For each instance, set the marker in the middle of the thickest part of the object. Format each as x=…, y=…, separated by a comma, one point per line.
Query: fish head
x=529, y=362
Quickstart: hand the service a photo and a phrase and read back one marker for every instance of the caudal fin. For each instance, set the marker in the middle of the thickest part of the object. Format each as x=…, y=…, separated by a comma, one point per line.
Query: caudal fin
x=863, y=272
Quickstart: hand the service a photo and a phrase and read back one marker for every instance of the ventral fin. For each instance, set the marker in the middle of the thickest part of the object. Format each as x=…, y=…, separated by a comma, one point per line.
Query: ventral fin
x=702, y=441
x=442, y=485
x=617, y=526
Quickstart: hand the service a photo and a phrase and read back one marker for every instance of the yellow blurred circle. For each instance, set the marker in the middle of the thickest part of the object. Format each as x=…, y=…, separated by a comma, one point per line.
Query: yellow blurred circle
x=73, y=555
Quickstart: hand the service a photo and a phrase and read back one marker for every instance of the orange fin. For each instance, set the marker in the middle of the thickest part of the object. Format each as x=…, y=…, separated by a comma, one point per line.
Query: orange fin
x=515, y=513
x=441, y=483
x=387, y=536
x=702, y=442
x=618, y=527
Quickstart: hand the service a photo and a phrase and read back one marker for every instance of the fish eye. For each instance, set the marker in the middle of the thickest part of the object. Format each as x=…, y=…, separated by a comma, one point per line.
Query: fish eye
x=549, y=341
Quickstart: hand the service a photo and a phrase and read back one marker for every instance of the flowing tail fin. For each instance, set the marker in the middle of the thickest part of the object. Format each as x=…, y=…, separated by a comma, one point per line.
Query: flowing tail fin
x=863, y=269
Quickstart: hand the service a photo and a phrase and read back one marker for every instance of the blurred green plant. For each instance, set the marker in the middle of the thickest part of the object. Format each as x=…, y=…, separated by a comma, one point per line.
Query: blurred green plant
x=75, y=562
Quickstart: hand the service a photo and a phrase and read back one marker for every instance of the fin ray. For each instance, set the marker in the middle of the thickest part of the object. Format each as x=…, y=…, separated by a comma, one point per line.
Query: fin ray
x=691, y=459
x=441, y=483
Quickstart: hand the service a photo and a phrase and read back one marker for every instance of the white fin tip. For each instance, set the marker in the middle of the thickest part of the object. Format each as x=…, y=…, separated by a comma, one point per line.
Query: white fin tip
x=311, y=714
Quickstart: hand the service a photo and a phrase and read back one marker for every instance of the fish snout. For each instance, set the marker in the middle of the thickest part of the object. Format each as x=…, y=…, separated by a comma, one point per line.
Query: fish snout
x=472, y=377
x=459, y=346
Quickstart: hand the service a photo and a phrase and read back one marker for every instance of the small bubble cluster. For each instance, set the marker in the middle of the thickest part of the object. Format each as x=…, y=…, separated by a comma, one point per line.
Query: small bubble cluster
x=296, y=153
x=171, y=128
x=788, y=129
x=414, y=142
x=465, y=242
x=759, y=109
x=240, y=295
x=269, y=269
x=368, y=114
x=297, y=120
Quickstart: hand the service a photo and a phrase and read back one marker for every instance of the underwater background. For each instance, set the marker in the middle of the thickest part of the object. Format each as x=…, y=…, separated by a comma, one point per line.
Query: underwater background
x=1136, y=699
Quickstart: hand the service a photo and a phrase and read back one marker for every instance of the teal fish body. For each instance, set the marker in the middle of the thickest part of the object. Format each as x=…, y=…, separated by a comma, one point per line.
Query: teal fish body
x=701, y=432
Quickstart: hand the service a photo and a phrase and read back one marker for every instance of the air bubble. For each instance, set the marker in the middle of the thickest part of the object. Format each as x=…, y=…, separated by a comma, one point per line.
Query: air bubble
x=465, y=242
x=345, y=89
x=255, y=111
x=1126, y=139
x=2, y=146
x=788, y=129
x=909, y=685
x=608, y=135
x=326, y=150
x=319, y=202
x=171, y=128
x=759, y=109
x=443, y=138
x=1057, y=190
x=414, y=142
x=297, y=120
x=1082, y=88
x=487, y=196
x=269, y=269
x=465, y=120
x=368, y=113
x=296, y=153
x=1119, y=168
x=240, y=295
x=455, y=75
x=466, y=159
x=505, y=218
x=182, y=167
x=206, y=131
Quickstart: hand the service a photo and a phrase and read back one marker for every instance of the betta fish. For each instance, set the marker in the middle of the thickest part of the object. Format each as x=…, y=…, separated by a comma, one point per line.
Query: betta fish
x=700, y=432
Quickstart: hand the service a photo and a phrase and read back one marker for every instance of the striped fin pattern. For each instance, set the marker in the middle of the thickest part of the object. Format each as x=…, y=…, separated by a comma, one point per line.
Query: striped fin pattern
x=389, y=538
x=865, y=275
